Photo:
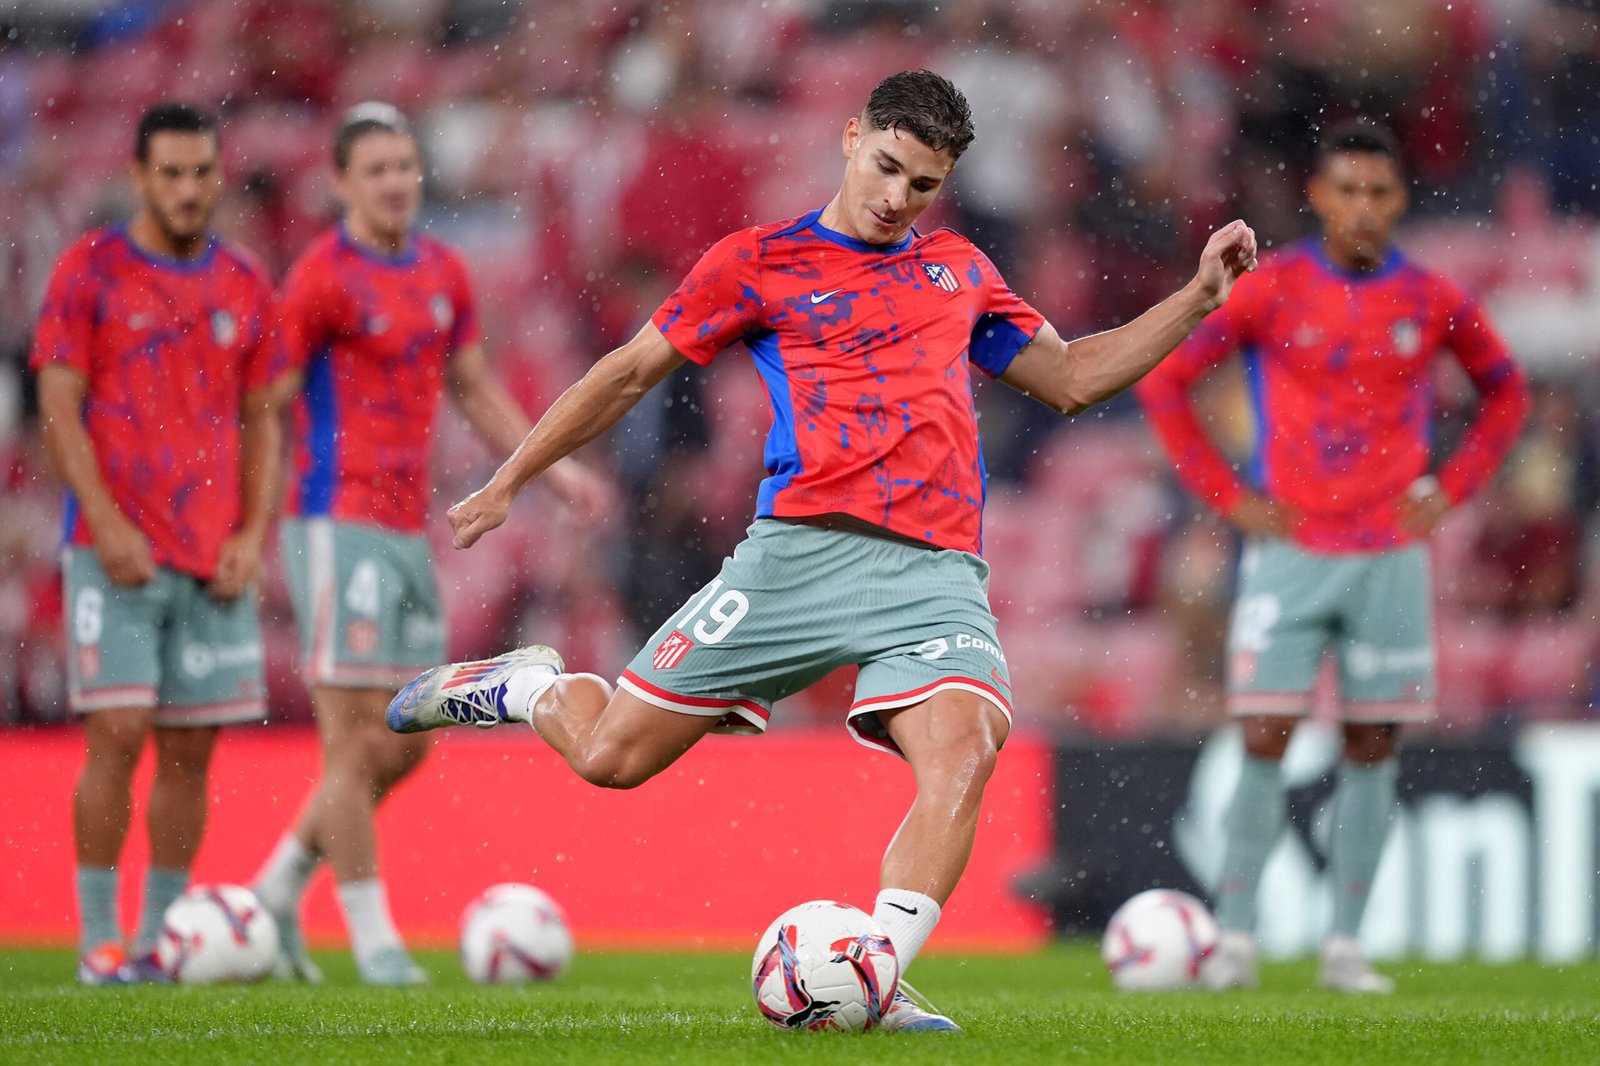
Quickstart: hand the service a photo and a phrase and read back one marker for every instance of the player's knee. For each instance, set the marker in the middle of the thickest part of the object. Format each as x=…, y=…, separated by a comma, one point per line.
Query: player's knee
x=588, y=689
x=361, y=755
x=960, y=762
x=183, y=768
x=399, y=757
x=115, y=746
x=1368, y=744
x=1267, y=736
x=612, y=766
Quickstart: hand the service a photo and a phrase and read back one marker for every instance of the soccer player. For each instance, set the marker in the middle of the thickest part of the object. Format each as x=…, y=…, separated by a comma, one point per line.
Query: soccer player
x=1339, y=334
x=377, y=321
x=155, y=363
x=865, y=548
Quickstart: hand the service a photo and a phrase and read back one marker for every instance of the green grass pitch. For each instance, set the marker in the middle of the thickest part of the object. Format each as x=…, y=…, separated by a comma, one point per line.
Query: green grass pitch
x=1056, y=1006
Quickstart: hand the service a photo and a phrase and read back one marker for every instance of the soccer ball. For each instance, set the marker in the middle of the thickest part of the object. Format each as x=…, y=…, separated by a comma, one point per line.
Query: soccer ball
x=214, y=934
x=1158, y=940
x=824, y=965
x=514, y=933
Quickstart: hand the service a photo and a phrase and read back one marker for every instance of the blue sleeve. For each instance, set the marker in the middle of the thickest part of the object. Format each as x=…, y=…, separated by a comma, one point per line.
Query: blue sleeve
x=996, y=340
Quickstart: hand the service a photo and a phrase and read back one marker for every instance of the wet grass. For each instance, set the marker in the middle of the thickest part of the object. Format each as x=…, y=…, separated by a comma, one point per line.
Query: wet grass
x=1056, y=1006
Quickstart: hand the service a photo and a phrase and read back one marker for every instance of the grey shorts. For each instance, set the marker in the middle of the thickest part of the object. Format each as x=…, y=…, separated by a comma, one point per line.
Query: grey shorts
x=365, y=602
x=796, y=602
x=1373, y=611
x=167, y=644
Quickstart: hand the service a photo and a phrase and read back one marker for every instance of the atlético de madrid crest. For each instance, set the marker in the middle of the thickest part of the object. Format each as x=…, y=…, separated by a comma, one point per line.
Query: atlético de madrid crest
x=224, y=330
x=942, y=276
x=444, y=315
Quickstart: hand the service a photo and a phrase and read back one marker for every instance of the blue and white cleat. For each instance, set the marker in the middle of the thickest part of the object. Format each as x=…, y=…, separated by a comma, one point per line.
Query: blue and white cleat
x=104, y=964
x=910, y=1012
x=465, y=693
x=146, y=969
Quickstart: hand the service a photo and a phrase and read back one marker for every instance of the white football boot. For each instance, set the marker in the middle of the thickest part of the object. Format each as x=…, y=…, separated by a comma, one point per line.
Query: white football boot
x=1346, y=969
x=464, y=693
x=1232, y=964
x=391, y=967
x=293, y=962
x=910, y=1012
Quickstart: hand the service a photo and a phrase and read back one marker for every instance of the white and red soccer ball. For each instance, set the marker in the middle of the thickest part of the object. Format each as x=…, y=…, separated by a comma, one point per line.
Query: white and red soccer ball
x=1158, y=941
x=514, y=933
x=217, y=934
x=824, y=965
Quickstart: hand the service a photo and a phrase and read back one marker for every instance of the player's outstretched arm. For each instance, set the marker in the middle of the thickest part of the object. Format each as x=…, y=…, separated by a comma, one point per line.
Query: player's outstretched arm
x=1071, y=376
x=587, y=409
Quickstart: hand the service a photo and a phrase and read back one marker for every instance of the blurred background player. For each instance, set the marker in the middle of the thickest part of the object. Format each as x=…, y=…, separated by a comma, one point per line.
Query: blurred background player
x=1339, y=334
x=377, y=321
x=865, y=548
x=154, y=357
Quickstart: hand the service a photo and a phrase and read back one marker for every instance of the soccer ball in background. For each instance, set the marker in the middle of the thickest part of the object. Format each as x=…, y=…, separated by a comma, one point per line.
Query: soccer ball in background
x=216, y=934
x=1158, y=940
x=824, y=965
x=513, y=933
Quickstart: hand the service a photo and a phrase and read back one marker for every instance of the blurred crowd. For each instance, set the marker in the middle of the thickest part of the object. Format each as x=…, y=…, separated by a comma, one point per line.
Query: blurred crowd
x=582, y=153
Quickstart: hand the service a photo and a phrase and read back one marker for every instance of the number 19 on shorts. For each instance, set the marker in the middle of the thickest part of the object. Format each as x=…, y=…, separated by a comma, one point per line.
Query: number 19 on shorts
x=718, y=611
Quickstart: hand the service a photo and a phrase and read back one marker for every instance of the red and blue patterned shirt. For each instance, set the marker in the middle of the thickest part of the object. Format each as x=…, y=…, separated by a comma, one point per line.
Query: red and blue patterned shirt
x=371, y=334
x=1339, y=367
x=865, y=353
x=168, y=349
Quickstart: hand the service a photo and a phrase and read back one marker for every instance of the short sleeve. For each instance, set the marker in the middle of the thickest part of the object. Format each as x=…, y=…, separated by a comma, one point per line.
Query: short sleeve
x=465, y=329
x=304, y=314
x=64, y=333
x=718, y=303
x=267, y=360
x=1005, y=326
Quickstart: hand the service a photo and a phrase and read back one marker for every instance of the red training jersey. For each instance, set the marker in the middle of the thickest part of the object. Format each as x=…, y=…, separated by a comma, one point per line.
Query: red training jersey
x=864, y=350
x=168, y=349
x=1340, y=378
x=371, y=334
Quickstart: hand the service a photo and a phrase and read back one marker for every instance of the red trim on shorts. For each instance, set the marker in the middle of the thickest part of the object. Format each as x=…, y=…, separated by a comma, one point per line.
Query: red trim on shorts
x=224, y=712
x=906, y=699
x=673, y=701
x=1370, y=711
x=1297, y=704
x=84, y=700
x=916, y=695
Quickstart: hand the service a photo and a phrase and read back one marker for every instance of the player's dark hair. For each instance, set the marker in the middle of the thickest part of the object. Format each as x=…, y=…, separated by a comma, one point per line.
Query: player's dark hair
x=371, y=117
x=170, y=116
x=924, y=105
x=1362, y=136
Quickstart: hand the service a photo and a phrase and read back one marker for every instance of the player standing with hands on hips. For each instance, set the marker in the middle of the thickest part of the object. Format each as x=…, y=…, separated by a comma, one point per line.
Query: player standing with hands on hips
x=154, y=349
x=1339, y=334
x=378, y=321
x=865, y=548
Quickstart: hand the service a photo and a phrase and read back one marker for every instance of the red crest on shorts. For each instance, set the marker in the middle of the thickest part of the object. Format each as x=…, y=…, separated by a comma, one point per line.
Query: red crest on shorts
x=1244, y=667
x=88, y=661
x=361, y=636
x=671, y=651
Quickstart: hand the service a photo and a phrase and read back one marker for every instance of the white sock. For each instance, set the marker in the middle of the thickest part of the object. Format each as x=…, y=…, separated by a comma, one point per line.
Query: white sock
x=366, y=915
x=282, y=879
x=525, y=685
x=908, y=917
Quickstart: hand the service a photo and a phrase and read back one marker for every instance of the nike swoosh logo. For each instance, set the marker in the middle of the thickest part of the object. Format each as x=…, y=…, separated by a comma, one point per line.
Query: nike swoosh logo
x=818, y=297
x=909, y=910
